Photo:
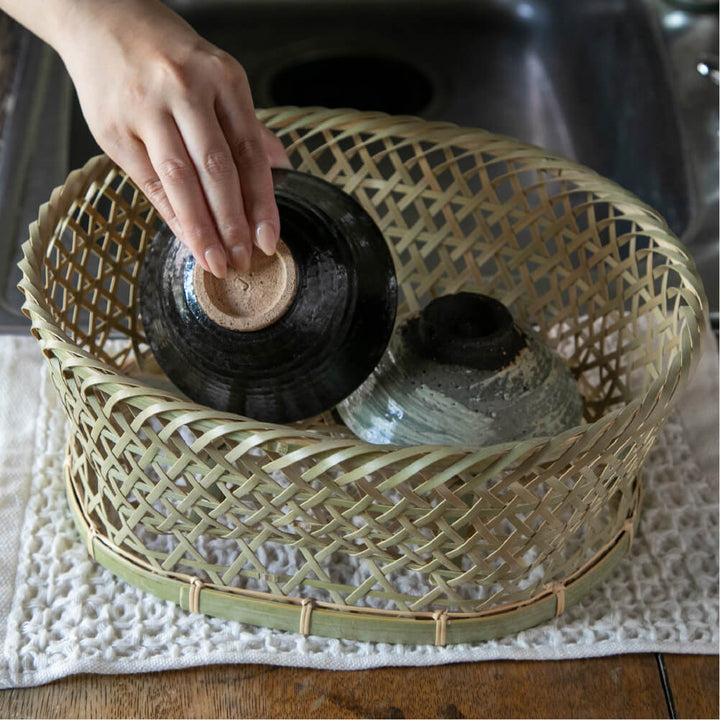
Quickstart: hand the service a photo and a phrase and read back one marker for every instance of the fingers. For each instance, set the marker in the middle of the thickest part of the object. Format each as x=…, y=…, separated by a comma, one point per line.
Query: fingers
x=192, y=178
x=274, y=149
x=133, y=157
x=204, y=160
x=216, y=201
x=220, y=181
x=135, y=160
x=249, y=149
x=182, y=186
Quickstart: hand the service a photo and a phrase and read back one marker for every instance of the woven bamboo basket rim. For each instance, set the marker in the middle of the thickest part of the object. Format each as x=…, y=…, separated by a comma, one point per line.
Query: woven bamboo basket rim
x=98, y=171
x=315, y=617
x=286, y=439
x=395, y=466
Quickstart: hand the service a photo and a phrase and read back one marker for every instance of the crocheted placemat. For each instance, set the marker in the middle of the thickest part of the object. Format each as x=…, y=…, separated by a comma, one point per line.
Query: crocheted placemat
x=60, y=613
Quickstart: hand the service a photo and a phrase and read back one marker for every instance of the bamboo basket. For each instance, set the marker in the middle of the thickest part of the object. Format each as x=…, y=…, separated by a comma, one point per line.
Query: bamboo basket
x=305, y=528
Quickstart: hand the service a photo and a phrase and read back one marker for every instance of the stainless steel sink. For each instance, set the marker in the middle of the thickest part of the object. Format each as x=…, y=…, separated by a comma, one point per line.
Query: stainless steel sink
x=613, y=84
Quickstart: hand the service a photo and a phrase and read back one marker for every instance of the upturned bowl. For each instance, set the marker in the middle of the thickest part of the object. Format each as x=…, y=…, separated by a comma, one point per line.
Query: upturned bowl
x=462, y=372
x=294, y=335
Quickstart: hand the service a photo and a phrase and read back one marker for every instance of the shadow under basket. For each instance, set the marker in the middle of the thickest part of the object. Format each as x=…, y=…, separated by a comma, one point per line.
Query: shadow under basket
x=305, y=528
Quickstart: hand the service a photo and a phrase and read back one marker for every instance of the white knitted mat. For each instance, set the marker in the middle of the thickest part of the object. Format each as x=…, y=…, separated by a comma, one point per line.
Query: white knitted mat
x=60, y=613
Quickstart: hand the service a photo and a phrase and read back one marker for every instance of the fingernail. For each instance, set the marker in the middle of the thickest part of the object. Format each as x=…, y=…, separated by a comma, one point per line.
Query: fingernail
x=216, y=261
x=240, y=258
x=202, y=262
x=265, y=238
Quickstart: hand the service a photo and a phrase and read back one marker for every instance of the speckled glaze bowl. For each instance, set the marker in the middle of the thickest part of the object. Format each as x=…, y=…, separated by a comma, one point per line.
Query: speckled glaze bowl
x=295, y=335
x=463, y=373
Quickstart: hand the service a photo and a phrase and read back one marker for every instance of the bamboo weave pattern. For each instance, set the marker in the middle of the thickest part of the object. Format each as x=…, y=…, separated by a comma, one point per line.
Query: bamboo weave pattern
x=187, y=490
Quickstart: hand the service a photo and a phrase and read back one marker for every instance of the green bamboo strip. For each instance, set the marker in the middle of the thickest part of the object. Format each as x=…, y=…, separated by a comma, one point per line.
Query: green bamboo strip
x=282, y=613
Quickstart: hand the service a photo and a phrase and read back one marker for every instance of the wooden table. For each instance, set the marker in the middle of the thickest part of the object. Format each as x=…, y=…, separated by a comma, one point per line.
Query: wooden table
x=626, y=686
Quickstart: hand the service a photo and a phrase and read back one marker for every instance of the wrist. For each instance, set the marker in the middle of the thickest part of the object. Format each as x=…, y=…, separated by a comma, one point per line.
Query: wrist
x=79, y=24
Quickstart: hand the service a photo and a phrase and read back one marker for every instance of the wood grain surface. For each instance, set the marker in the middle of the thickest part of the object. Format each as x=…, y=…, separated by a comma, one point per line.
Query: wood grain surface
x=626, y=686
x=693, y=683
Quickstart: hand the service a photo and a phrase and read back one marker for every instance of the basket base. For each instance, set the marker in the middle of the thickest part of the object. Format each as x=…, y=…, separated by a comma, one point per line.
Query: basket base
x=345, y=622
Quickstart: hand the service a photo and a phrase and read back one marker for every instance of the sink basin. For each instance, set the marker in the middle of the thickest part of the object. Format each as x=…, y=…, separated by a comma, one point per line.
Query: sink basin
x=594, y=81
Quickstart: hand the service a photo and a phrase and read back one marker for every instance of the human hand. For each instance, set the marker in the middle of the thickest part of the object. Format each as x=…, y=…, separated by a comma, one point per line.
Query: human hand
x=176, y=113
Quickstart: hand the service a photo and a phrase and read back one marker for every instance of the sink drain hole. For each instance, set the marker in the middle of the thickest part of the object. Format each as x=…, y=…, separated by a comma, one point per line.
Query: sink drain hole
x=354, y=81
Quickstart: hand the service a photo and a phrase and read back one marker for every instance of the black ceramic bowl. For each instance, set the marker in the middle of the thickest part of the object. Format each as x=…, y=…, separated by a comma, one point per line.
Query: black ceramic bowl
x=321, y=341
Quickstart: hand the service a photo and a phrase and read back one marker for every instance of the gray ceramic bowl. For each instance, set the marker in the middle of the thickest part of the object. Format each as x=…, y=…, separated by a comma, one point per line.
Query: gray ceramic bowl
x=463, y=373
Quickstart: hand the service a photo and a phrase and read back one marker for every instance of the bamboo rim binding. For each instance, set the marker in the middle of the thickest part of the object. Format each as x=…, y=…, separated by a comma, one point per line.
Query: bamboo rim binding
x=341, y=621
x=586, y=264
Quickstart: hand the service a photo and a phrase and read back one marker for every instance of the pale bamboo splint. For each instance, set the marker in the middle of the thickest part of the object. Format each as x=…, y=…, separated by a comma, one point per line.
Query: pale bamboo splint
x=306, y=528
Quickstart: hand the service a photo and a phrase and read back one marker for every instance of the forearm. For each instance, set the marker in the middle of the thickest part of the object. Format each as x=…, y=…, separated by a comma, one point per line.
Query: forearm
x=47, y=19
x=64, y=24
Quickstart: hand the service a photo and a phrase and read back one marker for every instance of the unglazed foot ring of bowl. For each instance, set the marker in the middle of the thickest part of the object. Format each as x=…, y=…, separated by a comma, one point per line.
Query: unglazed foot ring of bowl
x=249, y=301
